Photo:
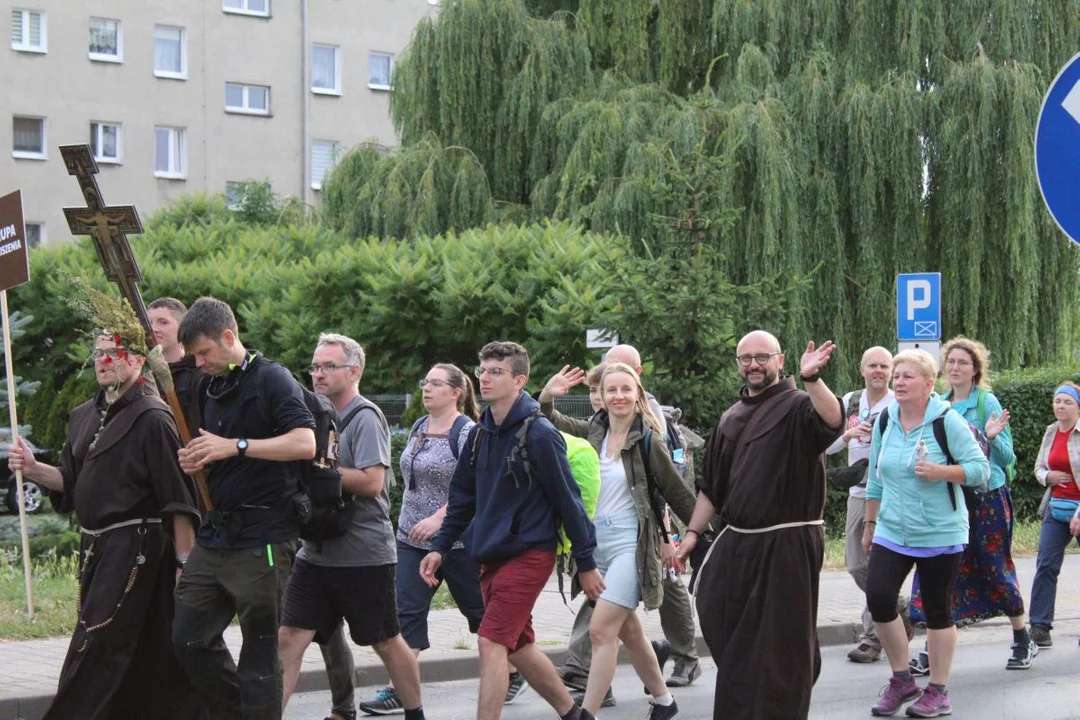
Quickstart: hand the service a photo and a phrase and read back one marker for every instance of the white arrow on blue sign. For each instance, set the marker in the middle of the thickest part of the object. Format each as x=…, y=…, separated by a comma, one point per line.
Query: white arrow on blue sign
x=918, y=306
x=1057, y=149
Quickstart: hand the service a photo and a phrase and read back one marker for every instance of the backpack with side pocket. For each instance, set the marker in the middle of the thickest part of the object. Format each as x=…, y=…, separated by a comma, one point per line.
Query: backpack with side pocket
x=980, y=410
x=681, y=441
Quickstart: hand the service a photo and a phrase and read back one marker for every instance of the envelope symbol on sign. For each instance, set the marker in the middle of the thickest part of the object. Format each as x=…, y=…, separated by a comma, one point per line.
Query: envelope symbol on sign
x=926, y=328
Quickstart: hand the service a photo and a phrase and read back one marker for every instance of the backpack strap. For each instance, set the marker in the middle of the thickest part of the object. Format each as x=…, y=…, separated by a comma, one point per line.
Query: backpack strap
x=655, y=496
x=455, y=434
x=942, y=439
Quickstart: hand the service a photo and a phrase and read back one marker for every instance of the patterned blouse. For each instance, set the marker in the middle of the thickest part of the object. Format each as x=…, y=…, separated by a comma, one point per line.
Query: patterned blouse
x=426, y=468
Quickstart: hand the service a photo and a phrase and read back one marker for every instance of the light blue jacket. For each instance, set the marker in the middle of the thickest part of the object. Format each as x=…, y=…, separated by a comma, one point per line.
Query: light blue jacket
x=1001, y=448
x=914, y=512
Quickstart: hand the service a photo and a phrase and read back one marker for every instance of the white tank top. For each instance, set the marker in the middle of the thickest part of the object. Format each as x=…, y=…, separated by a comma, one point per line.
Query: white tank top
x=615, y=496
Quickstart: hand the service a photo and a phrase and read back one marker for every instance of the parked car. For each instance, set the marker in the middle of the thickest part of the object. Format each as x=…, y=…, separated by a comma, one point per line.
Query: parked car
x=34, y=495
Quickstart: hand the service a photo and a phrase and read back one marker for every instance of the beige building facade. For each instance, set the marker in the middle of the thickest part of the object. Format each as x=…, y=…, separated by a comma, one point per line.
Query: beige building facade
x=192, y=95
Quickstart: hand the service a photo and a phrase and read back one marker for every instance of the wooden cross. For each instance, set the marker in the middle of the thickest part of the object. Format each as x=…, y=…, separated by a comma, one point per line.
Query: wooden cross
x=107, y=226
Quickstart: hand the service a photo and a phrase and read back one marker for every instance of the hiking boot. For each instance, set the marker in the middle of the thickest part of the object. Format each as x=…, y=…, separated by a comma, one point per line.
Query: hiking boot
x=662, y=648
x=516, y=688
x=684, y=674
x=933, y=703
x=662, y=712
x=1041, y=636
x=920, y=664
x=865, y=653
x=1022, y=655
x=578, y=696
x=386, y=702
x=894, y=695
x=572, y=677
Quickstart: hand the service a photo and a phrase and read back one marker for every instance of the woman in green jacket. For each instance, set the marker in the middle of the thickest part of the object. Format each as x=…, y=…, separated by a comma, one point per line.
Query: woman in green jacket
x=633, y=460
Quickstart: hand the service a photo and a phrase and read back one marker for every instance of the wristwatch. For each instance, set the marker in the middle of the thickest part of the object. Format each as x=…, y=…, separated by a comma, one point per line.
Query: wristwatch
x=810, y=378
x=241, y=447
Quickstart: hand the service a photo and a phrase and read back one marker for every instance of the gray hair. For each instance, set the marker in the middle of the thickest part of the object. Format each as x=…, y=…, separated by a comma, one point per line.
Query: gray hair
x=354, y=354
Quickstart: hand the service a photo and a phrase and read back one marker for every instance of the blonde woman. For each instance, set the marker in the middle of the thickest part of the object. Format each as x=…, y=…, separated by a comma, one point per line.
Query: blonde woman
x=1057, y=467
x=633, y=457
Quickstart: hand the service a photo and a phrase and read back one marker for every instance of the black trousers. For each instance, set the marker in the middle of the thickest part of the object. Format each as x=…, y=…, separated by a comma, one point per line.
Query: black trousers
x=216, y=586
x=937, y=576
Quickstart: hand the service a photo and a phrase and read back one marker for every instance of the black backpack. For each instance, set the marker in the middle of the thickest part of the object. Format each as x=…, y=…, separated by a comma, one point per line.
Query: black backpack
x=455, y=432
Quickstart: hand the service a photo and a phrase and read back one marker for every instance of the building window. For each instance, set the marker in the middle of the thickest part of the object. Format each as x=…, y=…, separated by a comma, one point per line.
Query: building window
x=28, y=31
x=252, y=99
x=105, y=141
x=326, y=69
x=106, y=40
x=380, y=65
x=323, y=156
x=247, y=7
x=35, y=234
x=169, y=152
x=170, y=52
x=28, y=138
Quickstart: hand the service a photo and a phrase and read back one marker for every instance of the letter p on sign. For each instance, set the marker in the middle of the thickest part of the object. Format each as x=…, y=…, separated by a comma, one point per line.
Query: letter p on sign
x=918, y=297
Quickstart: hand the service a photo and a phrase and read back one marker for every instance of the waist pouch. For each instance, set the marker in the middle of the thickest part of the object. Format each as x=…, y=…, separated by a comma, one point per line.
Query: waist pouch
x=1063, y=510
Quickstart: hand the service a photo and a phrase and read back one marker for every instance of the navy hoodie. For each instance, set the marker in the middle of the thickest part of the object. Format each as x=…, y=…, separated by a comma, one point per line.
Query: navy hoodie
x=505, y=510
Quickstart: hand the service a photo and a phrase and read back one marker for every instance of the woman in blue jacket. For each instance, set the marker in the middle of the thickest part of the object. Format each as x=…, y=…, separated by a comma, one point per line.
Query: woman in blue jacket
x=915, y=515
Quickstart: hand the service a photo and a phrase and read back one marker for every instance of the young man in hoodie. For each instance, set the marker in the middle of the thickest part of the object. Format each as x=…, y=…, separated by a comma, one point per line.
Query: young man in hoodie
x=513, y=507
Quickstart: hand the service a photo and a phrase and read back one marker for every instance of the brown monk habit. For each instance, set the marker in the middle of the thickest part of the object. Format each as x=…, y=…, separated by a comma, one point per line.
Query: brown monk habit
x=120, y=662
x=757, y=594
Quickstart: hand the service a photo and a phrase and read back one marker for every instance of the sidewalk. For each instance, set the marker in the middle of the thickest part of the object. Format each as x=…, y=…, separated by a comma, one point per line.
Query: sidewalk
x=29, y=670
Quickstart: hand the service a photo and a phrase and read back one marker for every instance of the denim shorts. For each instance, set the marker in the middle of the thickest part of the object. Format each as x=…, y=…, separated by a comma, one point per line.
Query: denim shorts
x=616, y=558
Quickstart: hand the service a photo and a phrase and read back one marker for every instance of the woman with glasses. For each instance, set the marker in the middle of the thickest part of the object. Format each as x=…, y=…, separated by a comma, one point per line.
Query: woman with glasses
x=634, y=461
x=986, y=583
x=1058, y=468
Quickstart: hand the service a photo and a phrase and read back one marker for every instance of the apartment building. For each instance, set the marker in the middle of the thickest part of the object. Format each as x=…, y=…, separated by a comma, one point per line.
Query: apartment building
x=192, y=95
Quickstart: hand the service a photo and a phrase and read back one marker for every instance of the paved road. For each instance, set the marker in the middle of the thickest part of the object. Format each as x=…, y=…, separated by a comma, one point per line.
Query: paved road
x=980, y=687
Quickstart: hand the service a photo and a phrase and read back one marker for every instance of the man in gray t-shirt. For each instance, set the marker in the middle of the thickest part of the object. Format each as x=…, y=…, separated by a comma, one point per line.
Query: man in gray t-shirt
x=351, y=578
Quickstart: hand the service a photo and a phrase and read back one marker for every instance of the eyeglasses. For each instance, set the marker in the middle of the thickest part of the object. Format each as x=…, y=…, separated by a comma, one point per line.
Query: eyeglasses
x=760, y=358
x=111, y=353
x=958, y=362
x=327, y=368
x=434, y=382
x=493, y=371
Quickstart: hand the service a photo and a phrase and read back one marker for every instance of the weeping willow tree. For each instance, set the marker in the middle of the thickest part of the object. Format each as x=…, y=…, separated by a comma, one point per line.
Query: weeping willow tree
x=855, y=139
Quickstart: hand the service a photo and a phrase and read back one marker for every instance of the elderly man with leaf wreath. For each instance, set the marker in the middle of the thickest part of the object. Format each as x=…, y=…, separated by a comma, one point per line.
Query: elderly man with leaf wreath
x=119, y=473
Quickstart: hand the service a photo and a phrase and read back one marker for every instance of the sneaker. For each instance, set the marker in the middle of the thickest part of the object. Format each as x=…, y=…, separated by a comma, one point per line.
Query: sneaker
x=662, y=712
x=933, y=703
x=345, y=714
x=684, y=674
x=894, y=695
x=386, y=702
x=1022, y=656
x=865, y=653
x=1041, y=636
x=920, y=664
x=572, y=677
x=662, y=648
x=578, y=696
x=516, y=688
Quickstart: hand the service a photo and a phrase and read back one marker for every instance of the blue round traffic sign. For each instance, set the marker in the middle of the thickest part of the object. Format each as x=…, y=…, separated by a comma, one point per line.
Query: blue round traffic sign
x=1057, y=149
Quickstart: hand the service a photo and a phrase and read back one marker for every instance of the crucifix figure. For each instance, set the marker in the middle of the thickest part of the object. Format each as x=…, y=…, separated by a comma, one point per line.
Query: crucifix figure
x=109, y=228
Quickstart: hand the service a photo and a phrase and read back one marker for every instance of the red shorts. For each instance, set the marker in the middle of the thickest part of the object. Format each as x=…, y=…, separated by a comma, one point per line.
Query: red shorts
x=510, y=590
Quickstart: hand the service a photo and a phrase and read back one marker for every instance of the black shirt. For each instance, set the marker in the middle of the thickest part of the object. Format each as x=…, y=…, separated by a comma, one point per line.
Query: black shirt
x=257, y=399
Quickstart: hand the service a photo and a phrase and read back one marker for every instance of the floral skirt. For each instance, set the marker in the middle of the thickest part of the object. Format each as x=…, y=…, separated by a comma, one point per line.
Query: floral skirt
x=986, y=583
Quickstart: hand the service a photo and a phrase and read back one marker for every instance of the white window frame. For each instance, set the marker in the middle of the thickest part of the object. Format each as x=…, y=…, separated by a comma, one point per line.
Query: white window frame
x=23, y=45
x=26, y=154
x=245, y=108
x=379, y=86
x=170, y=74
x=244, y=9
x=105, y=57
x=177, y=150
x=96, y=131
x=41, y=233
x=336, y=90
x=335, y=147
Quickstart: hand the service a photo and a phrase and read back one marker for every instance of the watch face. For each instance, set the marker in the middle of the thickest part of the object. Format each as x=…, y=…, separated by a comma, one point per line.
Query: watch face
x=241, y=445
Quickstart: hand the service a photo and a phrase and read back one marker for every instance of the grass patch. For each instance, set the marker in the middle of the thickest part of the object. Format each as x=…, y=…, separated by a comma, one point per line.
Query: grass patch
x=54, y=588
x=443, y=600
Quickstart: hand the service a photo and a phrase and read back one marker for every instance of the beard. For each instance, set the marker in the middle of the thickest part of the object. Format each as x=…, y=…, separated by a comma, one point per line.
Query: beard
x=768, y=377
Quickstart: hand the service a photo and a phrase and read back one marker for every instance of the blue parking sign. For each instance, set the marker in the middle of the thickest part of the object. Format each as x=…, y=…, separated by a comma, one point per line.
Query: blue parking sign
x=918, y=306
x=1057, y=149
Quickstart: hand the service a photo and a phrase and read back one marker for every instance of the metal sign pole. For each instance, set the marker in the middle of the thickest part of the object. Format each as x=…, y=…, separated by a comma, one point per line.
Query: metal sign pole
x=14, y=417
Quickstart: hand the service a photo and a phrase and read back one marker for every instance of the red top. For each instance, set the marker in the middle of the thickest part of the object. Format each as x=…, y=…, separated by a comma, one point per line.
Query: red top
x=1058, y=459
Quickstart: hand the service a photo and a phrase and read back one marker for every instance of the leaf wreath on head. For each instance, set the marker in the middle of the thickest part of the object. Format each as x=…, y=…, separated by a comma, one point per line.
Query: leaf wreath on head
x=110, y=316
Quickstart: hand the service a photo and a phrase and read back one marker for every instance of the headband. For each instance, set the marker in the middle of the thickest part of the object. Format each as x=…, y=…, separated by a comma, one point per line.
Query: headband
x=1070, y=391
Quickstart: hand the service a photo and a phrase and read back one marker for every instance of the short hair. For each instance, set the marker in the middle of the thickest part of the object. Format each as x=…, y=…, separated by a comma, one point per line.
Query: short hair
x=921, y=359
x=592, y=378
x=980, y=358
x=354, y=354
x=207, y=317
x=177, y=308
x=505, y=350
